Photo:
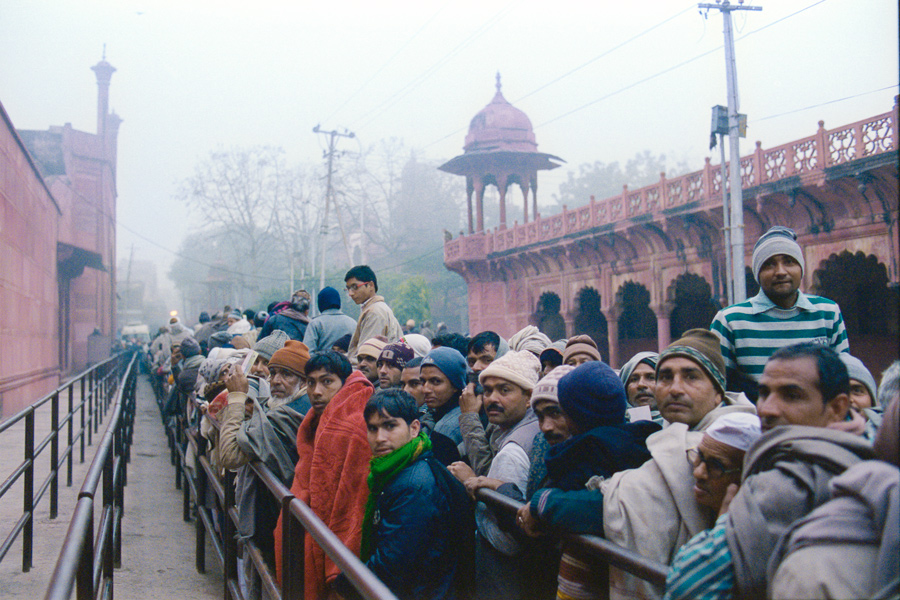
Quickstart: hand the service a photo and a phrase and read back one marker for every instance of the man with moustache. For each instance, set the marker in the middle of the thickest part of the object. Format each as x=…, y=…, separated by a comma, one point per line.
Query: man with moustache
x=367, y=358
x=390, y=364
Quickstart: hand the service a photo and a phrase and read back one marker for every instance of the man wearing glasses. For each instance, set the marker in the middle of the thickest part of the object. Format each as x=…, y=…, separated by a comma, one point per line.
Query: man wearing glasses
x=376, y=317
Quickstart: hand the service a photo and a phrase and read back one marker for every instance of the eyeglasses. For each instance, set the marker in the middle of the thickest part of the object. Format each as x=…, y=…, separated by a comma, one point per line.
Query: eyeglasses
x=714, y=467
x=355, y=286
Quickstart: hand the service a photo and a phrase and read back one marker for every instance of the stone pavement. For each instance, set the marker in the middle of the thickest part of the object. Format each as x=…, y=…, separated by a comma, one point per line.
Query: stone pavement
x=157, y=545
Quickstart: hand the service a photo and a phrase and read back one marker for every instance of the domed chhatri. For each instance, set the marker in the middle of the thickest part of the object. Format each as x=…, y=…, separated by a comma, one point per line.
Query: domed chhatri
x=500, y=150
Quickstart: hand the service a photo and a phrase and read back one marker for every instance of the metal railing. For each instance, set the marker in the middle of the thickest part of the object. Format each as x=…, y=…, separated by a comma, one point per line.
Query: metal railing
x=90, y=554
x=95, y=388
x=297, y=518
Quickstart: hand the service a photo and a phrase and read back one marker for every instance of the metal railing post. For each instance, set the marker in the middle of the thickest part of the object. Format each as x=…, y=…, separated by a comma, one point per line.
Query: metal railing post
x=90, y=415
x=83, y=420
x=28, y=494
x=54, y=456
x=229, y=535
x=69, y=435
x=84, y=580
x=293, y=536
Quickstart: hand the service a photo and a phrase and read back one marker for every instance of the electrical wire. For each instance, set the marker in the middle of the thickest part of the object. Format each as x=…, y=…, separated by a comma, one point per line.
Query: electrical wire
x=796, y=110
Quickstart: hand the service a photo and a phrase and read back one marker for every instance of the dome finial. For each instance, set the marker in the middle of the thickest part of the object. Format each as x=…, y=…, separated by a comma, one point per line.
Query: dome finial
x=498, y=82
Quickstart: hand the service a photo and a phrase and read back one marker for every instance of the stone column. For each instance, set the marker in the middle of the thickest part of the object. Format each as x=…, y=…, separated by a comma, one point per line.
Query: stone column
x=663, y=327
x=501, y=187
x=612, y=315
x=479, y=204
x=470, y=188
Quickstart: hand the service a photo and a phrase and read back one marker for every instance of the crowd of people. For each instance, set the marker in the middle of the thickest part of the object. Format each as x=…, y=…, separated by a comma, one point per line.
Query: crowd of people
x=754, y=459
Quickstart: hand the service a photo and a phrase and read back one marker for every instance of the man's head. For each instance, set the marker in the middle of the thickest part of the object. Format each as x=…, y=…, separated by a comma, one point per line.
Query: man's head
x=391, y=421
x=204, y=317
x=300, y=301
x=343, y=344
x=555, y=423
x=328, y=298
x=390, y=364
x=367, y=357
x=778, y=265
x=718, y=458
x=287, y=368
x=579, y=350
x=690, y=378
x=189, y=347
x=234, y=316
x=361, y=283
x=443, y=375
x=890, y=384
x=482, y=350
x=457, y=341
x=639, y=377
x=803, y=384
x=592, y=395
x=862, y=384
x=326, y=373
x=265, y=349
x=411, y=382
x=507, y=383
x=420, y=344
x=552, y=356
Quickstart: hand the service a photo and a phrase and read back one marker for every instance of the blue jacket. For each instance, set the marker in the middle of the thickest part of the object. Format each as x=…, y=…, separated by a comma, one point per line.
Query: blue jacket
x=414, y=539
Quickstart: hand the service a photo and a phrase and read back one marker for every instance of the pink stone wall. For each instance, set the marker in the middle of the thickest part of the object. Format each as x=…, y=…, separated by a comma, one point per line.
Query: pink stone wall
x=29, y=361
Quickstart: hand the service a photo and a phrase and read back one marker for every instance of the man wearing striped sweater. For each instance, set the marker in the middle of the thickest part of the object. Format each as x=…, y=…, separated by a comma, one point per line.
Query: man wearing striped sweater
x=779, y=315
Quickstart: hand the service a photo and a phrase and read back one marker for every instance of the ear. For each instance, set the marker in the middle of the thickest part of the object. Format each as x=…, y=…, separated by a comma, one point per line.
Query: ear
x=836, y=408
x=414, y=428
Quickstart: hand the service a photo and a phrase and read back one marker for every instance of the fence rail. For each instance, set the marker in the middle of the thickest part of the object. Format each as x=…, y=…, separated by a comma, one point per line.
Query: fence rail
x=94, y=388
x=299, y=518
x=89, y=555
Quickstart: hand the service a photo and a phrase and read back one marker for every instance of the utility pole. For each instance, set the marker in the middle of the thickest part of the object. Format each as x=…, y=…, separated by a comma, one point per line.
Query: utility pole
x=734, y=129
x=332, y=136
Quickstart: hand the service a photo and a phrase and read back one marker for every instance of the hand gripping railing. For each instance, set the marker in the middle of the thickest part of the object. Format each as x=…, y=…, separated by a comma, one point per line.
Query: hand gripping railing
x=297, y=517
x=87, y=397
x=85, y=562
x=605, y=551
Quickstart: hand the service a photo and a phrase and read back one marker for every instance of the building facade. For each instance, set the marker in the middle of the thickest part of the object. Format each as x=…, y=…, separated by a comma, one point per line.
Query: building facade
x=636, y=270
x=57, y=239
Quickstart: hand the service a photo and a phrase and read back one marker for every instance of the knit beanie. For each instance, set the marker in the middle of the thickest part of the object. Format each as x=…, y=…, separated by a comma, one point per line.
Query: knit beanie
x=204, y=317
x=546, y=388
x=235, y=314
x=551, y=354
x=419, y=343
x=592, y=395
x=529, y=338
x=292, y=357
x=271, y=344
x=372, y=346
x=328, y=298
x=191, y=347
x=581, y=344
x=396, y=354
x=521, y=368
x=777, y=240
x=450, y=362
x=855, y=368
x=628, y=368
x=703, y=347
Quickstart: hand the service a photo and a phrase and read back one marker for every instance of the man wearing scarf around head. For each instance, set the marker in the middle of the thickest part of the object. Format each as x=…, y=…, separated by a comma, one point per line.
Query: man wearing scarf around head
x=414, y=533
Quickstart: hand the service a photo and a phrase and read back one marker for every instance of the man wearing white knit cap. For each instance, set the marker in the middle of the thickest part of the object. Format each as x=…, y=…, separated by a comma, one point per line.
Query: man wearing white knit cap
x=779, y=315
x=507, y=382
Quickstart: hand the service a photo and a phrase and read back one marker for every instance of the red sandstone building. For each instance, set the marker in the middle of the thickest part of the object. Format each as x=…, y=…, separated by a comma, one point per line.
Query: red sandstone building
x=57, y=243
x=636, y=270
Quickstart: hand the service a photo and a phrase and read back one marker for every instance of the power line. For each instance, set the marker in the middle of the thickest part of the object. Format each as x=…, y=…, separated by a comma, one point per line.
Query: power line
x=796, y=110
x=419, y=79
x=388, y=62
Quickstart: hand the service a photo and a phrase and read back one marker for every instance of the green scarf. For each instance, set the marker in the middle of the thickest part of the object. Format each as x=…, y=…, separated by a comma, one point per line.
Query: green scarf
x=382, y=469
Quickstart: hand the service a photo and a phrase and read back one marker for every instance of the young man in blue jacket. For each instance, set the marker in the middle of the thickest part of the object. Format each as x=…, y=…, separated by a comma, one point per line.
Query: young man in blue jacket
x=418, y=529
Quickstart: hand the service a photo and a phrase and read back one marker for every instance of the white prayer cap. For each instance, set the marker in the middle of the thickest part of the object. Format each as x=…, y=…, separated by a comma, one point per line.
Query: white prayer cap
x=738, y=430
x=419, y=343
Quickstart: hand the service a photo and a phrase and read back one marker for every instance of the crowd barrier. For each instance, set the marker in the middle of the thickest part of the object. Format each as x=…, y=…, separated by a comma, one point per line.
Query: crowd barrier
x=90, y=553
x=299, y=518
x=95, y=389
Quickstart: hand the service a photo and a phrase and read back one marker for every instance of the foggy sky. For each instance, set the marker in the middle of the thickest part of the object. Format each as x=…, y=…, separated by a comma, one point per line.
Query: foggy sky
x=200, y=75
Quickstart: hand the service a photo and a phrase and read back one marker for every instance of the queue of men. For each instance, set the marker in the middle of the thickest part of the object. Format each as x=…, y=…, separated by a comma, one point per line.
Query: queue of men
x=755, y=459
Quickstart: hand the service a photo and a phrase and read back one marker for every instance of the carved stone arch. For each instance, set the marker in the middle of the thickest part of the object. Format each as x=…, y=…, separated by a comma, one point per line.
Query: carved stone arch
x=815, y=210
x=637, y=321
x=589, y=319
x=617, y=242
x=661, y=235
x=547, y=317
x=642, y=241
x=693, y=307
x=859, y=283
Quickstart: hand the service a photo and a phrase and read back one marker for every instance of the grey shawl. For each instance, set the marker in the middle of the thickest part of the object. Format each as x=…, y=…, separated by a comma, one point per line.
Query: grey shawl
x=864, y=509
x=786, y=475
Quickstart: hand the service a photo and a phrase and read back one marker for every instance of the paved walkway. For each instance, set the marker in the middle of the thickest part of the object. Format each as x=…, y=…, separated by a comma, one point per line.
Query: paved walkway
x=157, y=545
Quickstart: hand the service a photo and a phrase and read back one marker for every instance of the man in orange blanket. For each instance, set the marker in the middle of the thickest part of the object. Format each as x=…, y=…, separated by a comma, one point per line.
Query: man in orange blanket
x=333, y=464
